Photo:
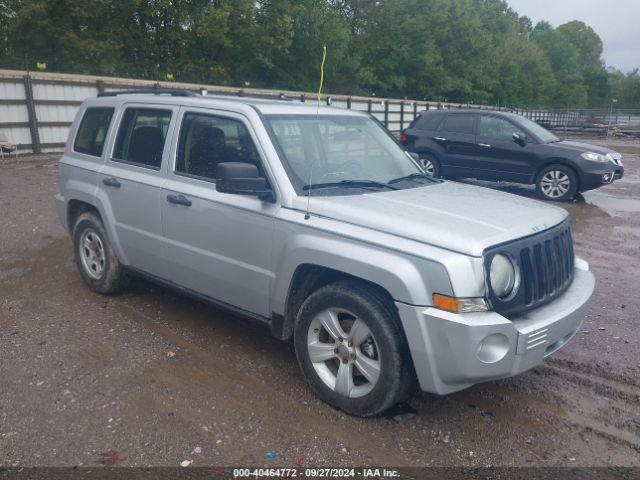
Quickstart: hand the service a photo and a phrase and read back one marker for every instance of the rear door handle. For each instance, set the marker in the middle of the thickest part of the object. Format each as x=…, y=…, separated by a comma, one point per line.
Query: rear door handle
x=440, y=139
x=486, y=145
x=111, y=182
x=178, y=199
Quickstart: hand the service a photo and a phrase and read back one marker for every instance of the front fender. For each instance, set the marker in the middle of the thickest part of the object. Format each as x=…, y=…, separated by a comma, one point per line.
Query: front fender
x=407, y=279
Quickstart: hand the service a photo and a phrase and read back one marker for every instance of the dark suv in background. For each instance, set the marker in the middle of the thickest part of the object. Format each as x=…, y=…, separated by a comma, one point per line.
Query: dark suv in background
x=504, y=146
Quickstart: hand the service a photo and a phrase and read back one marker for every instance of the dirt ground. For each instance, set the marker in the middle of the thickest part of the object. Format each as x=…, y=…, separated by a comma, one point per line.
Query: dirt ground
x=150, y=377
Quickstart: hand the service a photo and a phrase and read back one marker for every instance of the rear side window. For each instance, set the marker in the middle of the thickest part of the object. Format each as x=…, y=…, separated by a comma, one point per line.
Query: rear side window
x=428, y=121
x=207, y=140
x=141, y=137
x=92, y=132
x=458, y=123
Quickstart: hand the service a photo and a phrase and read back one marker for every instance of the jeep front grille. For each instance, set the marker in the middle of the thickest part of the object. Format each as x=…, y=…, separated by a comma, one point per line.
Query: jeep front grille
x=545, y=261
x=547, y=267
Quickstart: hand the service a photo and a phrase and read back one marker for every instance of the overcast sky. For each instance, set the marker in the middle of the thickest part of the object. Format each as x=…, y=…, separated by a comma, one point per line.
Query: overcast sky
x=616, y=21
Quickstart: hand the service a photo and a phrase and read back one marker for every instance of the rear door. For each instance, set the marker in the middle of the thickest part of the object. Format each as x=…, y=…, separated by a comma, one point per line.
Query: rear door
x=457, y=139
x=131, y=181
x=502, y=157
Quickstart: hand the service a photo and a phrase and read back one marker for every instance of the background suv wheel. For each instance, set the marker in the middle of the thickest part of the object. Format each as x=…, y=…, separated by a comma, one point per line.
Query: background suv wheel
x=430, y=165
x=352, y=350
x=557, y=182
x=95, y=258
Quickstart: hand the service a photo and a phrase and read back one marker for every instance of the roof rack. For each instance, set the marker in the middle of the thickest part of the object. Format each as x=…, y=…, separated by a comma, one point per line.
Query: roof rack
x=174, y=92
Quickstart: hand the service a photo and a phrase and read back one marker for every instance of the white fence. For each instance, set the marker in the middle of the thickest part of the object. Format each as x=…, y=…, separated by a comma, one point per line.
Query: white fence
x=37, y=108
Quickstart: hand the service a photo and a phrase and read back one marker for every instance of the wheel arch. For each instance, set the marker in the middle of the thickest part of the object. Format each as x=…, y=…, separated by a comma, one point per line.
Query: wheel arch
x=75, y=208
x=80, y=199
x=429, y=151
x=308, y=278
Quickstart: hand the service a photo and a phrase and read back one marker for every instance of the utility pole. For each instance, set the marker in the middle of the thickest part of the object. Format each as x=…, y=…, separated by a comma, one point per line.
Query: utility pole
x=613, y=100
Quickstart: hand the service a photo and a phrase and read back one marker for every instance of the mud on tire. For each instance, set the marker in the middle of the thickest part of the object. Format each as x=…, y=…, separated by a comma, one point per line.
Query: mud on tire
x=95, y=258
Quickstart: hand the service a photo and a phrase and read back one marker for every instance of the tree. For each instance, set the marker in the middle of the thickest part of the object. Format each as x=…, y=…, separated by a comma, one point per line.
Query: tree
x=477, y=51
x=570, y=88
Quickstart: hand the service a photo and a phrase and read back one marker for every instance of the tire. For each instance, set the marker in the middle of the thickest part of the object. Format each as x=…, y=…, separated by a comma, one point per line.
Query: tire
x=430, y=165
x=557, y=183
x=95, y=258
x=378, y=340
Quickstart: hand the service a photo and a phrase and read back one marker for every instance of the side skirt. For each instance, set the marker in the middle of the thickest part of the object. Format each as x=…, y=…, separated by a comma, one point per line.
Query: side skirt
x=265, y=321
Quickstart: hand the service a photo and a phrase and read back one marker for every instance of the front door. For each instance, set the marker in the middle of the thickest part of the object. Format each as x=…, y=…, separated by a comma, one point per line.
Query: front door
x=502, y=157
x=218, y=244
x=131, y=180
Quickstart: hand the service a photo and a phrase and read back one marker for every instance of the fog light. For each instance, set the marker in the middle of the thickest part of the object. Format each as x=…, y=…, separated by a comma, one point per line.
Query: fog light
x=493, y=348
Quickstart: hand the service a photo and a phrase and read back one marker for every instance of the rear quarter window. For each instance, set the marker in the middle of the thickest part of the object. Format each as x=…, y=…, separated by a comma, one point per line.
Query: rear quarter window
x=92, y=132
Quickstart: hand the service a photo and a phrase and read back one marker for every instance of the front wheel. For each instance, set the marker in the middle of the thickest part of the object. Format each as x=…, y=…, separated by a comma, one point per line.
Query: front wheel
x=557, y=182
x=352, y=350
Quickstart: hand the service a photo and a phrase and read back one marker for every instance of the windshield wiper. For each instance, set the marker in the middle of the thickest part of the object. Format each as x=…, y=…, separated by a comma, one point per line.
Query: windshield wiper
x=350, y=183
x=411, y=176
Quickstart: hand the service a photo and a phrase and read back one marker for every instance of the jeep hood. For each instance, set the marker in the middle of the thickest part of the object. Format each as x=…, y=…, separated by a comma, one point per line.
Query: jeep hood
x=454, y=216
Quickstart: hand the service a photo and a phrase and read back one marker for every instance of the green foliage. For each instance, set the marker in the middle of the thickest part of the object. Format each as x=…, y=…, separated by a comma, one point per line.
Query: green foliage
x=478, y=51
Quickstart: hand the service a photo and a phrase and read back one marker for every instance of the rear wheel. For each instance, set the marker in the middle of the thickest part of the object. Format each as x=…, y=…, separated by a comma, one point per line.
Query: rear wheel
x=95, y=258
x=430, y=165
x=352, y=350
x=557, y=182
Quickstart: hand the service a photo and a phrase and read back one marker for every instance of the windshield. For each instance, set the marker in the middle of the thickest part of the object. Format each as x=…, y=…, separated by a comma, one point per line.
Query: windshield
x=329, y=149
x=542, y=133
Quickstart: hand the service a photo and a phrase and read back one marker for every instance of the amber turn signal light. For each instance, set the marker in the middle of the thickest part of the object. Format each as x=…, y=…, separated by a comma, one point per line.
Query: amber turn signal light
x=459, y=305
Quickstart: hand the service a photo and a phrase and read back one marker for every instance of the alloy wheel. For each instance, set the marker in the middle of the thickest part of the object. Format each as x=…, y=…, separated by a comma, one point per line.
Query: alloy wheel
x=92, y=254
x=555, y=184
x=344, y=352
x=428, y=166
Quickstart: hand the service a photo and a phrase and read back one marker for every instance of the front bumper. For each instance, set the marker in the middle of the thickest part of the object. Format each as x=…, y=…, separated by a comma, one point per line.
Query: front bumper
x=601, y=176
x=454, y=351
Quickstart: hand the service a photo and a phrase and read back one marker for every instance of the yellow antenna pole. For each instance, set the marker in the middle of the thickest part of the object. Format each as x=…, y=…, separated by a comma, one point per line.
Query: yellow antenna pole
x=324, y=57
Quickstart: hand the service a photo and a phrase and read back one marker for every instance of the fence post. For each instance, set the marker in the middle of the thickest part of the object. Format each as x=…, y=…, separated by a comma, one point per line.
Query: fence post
x=302, y=98
x=401, y=114
x=100, y=86
x=415, y=109
x=369, y=106
x=349, y=103
x=33, y=119
x=386, y=114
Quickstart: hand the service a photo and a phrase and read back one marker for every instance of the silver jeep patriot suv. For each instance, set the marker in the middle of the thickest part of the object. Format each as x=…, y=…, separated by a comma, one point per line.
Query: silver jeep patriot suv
x=315, y=221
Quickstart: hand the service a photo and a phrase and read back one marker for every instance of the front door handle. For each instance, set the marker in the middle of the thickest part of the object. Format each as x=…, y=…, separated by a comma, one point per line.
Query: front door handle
x=440, y=139
x=111, y=182
x=178, y=199
x=486, y=145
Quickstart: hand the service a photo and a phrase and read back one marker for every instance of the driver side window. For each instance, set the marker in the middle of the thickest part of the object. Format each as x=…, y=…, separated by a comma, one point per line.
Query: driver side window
x=207, y=140
x=497, y=128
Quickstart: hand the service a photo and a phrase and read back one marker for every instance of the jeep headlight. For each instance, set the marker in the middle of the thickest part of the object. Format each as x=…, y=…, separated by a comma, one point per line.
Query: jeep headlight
x=594, y=157
x=502, y=276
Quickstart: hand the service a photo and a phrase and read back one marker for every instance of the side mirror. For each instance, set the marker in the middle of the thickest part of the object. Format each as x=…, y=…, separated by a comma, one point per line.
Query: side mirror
x=519, y=138
x=242, y=179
